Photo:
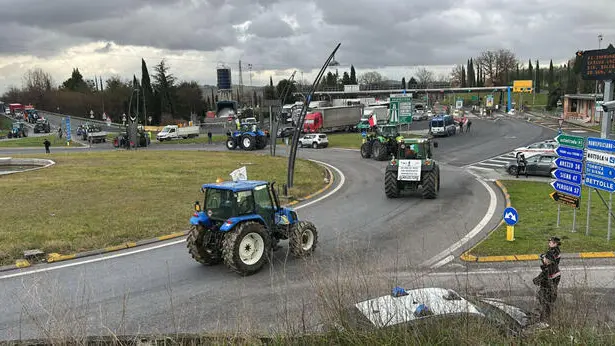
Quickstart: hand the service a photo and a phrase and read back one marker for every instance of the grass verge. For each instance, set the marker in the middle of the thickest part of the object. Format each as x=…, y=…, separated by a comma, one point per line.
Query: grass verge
x=93, y=200
x=538, y=221
x=29, y=142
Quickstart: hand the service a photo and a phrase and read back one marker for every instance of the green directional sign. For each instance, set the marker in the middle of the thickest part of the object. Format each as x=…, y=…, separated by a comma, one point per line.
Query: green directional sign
x=571, y=141
x=400, y=109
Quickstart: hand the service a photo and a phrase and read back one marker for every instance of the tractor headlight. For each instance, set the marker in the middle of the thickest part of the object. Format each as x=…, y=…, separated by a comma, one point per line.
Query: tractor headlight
x=197, y=206
x=427, y=162
x=403, y=146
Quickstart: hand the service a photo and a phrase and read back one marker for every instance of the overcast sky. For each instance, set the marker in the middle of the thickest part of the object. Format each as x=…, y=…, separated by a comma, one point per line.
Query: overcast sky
x=276, y=36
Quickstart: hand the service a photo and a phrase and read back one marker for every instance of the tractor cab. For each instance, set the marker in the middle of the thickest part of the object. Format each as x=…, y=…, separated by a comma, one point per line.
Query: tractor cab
x=388, y=131
x=415, y=149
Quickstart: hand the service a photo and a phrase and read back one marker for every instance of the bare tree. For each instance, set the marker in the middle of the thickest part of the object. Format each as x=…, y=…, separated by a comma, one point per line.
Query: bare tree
x=424, y=76
x=36, y=83
x=372, y=78
x=496, y=65
x=457, y=75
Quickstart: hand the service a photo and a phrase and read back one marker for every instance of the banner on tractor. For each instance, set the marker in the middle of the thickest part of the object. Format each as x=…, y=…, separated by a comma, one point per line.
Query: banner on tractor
x=239, y=174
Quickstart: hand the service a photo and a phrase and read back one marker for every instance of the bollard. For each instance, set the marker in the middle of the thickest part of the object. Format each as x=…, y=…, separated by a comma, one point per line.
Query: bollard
x=510, y=233
x=285, y=189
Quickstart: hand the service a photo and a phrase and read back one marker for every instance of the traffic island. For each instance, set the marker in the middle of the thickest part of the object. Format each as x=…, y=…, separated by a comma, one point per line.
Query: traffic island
x=537, y=221
x=113, y=200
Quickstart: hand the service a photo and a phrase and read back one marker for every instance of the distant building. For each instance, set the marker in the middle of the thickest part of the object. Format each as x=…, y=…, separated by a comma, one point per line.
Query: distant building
x=582, y=107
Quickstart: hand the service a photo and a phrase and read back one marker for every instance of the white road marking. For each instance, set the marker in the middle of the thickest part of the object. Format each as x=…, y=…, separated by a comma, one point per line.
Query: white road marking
x=448, y=253
x=518, y=270
x=489, y=164
x=132, y=252
x=499, y=161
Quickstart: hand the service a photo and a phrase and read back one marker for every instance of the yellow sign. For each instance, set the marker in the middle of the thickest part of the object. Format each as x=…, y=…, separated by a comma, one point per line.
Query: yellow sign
x=523, y=86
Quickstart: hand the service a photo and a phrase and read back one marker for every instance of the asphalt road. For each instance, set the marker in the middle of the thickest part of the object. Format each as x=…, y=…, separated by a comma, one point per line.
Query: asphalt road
x=366, y=240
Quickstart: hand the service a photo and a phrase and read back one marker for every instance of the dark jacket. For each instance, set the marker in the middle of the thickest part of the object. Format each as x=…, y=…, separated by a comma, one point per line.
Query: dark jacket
x=552, y=269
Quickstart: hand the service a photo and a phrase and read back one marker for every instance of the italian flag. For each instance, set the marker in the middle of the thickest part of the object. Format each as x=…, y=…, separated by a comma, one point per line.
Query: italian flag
x=372, y=120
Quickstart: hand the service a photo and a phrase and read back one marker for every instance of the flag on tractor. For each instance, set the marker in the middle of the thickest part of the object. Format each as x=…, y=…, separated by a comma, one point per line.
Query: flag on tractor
x=372, y=120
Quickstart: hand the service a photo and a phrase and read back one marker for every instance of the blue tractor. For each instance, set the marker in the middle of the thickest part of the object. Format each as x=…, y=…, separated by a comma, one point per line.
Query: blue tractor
x=248, y=137
x=240, y=223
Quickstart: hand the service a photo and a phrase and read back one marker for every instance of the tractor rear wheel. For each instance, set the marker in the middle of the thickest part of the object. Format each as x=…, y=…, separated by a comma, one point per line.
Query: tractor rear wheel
x=248, y=142
x=391, y=189
x=366, y=150
x=302, y=239
x=244, y=249
x=196, y=248
x=379, y=151
x=431, y=183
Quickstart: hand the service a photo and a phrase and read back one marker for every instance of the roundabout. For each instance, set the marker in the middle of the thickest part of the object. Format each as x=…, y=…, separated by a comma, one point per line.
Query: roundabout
x=364, y=238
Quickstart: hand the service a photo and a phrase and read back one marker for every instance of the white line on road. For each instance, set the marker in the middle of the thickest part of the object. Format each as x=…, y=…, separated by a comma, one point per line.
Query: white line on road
x=448, y=253
x=132, y=252
x=500, y=161
x=489, y=164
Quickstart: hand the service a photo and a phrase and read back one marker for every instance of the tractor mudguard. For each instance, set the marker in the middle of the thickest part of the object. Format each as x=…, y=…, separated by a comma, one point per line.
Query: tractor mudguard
x=286, y=216
x=233, y=221
x=428, y=168
x=201, y=219
x=391, y=168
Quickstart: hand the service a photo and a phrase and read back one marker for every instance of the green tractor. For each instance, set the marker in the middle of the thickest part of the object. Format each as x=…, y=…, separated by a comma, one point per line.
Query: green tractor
x=413, y=169
x=382, y=143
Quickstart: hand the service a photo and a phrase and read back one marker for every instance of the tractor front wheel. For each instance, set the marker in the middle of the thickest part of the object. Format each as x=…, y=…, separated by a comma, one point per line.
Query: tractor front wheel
x=391, y=188
x=431, y=183
x=244, y=249
x=366, y=150
x=196, y=245
x=302, y=239
x=230, y=144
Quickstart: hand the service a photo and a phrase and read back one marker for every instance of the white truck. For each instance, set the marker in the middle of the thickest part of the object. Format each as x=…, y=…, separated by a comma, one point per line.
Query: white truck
x=171, y=132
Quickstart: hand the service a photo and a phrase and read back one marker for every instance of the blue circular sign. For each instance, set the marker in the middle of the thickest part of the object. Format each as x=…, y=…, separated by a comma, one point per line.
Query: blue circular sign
x=511, y=217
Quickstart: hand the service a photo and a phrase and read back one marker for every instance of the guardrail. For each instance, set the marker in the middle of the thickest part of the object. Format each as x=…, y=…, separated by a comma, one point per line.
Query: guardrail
x=94, y=121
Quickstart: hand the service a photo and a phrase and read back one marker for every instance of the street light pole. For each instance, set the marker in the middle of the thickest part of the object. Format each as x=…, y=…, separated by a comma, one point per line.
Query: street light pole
x=293, y=149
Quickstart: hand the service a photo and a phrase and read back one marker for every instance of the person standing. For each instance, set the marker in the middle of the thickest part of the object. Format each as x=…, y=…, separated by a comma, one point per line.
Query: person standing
x=47, y=145
x=209, y=136
x=468, y=125
x=549, y=278
x=521, y=164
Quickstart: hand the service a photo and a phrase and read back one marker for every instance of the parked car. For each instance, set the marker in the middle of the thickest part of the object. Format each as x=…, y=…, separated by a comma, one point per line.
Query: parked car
x=314, y=140
x=545, y=147
x=537, y=164
x=285, y=132
x=415, y=308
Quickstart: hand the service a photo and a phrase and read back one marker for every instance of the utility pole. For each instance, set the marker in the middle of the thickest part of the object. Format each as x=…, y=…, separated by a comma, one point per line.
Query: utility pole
x=251, y=90
x=240, y=83
x=597, y=82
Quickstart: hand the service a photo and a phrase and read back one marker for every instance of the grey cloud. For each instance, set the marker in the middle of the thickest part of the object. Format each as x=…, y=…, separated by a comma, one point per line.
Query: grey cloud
x=373, y=33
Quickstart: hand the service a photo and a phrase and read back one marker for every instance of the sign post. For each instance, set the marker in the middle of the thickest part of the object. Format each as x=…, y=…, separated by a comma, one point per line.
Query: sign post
x=511, y=217
x=568, y=174
x=68, y=130
x=600, y=172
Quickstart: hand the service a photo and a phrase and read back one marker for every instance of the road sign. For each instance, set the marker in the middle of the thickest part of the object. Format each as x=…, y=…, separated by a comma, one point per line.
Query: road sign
x=599, y=170
x=402, y=104
x=565, y=199
x=567, y=188
x=68, y=129
x=601, y=144
x=520, y=86
x=459, y=104
x=571, y=141
x=569, y=177
x=598, y=64
x=511, y=216
x=570, y=153
x=599, y=183
x=474, y=98
x=601, y=158
x=573, y=166
x=489, y=102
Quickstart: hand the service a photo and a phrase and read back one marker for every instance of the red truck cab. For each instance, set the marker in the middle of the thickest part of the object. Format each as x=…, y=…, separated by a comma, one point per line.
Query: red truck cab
x=313, y=122
x=15, y=107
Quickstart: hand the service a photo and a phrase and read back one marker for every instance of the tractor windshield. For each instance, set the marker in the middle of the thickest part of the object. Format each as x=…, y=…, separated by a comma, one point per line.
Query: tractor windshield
x=223, y=204
x=412, y=151
x=388, y=131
